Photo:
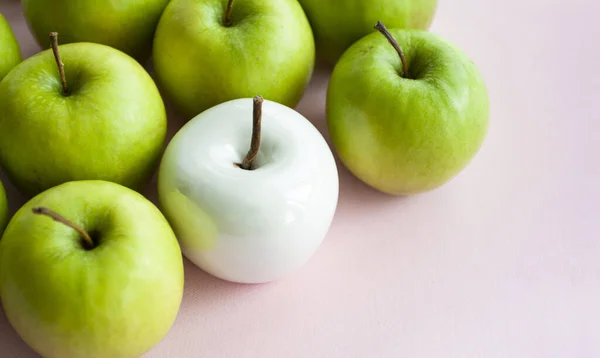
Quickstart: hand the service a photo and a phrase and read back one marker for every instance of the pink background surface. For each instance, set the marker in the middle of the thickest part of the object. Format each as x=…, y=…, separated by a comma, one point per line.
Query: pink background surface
x=504, y=261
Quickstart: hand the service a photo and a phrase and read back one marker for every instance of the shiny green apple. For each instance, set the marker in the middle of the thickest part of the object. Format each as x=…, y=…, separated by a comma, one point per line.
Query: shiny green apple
x=3, y=209
x=337, y=24
x=10, y=53
x=109, y=123
x=125, y=25
x=90, y=269
x=406, y=132
x=203, y=57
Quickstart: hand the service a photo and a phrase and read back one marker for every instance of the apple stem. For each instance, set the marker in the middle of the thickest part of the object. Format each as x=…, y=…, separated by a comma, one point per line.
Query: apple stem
x=61, y=65
x=88, y=243
x=255, y=144
x=381, y=28
x=228, y=20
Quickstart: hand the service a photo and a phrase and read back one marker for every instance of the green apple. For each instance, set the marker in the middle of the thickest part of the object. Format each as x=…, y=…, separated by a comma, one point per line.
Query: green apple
x=337, y=24
x=10, y=55
x=107, y=121
x=90, y=269
x=406, y=118
x=3, y=209
x=207, y=52
x=125, y=25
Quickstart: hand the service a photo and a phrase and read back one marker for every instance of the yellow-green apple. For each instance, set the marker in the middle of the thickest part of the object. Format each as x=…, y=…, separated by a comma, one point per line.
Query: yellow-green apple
x=207, y=52
x=337, y=24
x=407, y=110
x=90, y=269
x=10, y=52
x=125, y=25
x=100, y=116
x=249, y=215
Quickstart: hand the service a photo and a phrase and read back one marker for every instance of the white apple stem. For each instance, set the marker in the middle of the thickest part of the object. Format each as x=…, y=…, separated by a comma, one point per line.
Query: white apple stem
x=228, y=20
x=88, y=243
x=255, y=143
x=381, y=28
x=61, y=65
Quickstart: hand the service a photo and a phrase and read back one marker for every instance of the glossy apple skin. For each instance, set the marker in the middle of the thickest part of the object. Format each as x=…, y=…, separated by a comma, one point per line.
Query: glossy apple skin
x=125, y=25
x=249, y=226
x=199, y=63
x=10, y=54
x=406, y=135
x=3, y=209
x=116, y=300
x=111, y=127
x=337, y=24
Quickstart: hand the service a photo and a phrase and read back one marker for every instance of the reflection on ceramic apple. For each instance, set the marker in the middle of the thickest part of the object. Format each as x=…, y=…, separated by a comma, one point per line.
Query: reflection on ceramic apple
x=255, y=225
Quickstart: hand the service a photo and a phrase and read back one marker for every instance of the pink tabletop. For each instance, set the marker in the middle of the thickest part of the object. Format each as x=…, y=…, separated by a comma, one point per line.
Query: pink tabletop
x=504, y=261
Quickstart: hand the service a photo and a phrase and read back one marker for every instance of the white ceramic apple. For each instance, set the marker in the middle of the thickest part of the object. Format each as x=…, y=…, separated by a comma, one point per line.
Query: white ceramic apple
x=250, y=225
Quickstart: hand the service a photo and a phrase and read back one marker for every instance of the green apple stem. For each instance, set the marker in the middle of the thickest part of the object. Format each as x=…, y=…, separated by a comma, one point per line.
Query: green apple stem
x=228, y=20
x=88, y=243
x=61, y=65
x=381, y=28
x=255, y=143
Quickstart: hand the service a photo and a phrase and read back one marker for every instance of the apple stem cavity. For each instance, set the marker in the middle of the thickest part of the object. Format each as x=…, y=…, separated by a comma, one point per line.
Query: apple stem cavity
x=228, y=21
x=88, y=242
x=381, y=28
x=255, y=143
x=61, y=65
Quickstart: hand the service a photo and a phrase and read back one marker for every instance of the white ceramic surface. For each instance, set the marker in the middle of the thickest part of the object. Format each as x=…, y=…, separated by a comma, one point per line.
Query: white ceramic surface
x=249, y=226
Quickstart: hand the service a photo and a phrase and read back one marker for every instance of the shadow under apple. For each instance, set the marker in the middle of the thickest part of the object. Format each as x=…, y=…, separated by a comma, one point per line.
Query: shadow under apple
x=11, y=342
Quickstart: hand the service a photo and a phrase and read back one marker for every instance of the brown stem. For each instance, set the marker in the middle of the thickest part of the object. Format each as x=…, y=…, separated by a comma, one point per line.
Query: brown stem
x=228, y=20
x=87, y=239
x=381, y=28
x=255, y=144
x=61, y=65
